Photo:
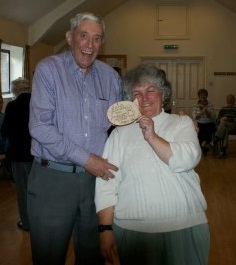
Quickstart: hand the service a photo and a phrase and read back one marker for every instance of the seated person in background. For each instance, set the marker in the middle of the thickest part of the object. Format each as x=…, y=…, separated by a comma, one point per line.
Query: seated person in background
x=226, y=124
x=203, y=113
x=167, y=102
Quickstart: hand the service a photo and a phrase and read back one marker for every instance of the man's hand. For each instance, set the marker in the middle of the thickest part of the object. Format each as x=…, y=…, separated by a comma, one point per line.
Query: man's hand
x=100, y=167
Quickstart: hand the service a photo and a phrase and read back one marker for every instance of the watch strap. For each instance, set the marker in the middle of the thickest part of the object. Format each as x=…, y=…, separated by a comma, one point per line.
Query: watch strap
x=102, y=228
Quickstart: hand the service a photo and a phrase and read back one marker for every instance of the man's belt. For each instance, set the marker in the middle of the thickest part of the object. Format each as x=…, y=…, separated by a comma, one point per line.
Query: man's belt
x=70, y=168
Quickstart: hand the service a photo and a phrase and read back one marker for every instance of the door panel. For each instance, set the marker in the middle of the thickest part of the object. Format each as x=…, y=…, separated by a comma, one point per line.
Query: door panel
x=187, y=76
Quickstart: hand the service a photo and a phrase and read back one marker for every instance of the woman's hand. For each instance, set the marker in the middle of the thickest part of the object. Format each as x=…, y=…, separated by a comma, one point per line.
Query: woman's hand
x=147, y=126
x=160, y=146
x=108, y=246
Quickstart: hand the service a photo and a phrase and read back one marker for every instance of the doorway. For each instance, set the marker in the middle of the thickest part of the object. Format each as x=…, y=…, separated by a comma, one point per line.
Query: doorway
x=187, y=76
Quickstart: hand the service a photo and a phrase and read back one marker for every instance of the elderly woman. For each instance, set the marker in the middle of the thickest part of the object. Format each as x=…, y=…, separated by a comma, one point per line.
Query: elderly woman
x=204, y=115
x=15, y=129
x=153, y=210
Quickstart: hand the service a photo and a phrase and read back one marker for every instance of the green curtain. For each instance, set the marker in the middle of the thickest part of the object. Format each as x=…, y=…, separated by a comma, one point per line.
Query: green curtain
x=25, y=70
x=0, y=68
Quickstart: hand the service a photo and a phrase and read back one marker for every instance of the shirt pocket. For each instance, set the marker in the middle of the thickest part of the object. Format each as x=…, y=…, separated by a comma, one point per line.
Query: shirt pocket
x=101, y=107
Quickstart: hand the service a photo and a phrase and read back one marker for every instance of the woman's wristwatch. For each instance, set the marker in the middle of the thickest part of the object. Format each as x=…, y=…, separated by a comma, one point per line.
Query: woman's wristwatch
x=102, y=228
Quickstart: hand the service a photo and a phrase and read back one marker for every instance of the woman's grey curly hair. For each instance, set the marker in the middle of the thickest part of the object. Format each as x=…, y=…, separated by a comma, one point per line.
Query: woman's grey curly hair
x=143, y=74
x=19, y=86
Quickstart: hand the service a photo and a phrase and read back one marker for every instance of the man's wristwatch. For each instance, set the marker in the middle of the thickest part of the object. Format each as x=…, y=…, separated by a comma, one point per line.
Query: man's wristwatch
x=102, y=228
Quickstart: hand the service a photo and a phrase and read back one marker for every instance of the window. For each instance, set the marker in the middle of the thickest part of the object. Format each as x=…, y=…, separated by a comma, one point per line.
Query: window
x=11, y=66
x=5, y=71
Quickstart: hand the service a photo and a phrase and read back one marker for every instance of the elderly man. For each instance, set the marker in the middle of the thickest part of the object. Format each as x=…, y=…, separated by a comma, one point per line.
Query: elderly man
x=226, y=124
x=71, y=93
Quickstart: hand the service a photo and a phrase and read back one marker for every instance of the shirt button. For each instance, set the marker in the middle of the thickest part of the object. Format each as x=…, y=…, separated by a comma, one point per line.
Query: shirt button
x=85, y=134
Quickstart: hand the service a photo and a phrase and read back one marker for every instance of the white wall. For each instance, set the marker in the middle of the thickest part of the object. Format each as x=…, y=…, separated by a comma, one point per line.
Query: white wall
x=130, y=31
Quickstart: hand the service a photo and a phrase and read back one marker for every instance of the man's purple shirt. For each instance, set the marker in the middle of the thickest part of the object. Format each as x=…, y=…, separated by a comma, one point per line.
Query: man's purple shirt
x=68, y=108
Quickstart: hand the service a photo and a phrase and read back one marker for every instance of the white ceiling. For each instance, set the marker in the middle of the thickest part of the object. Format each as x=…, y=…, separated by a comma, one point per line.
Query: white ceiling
x=28, y=12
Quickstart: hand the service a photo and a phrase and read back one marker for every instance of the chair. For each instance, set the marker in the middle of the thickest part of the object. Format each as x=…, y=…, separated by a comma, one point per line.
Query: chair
x=219, y=144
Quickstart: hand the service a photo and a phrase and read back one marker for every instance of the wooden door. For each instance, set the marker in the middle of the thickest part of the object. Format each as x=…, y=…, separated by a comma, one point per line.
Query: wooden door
x=187, y=76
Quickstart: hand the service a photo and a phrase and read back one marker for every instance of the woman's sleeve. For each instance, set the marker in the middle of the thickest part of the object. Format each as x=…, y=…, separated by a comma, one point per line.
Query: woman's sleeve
x=185, y=146
x=106, y=191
